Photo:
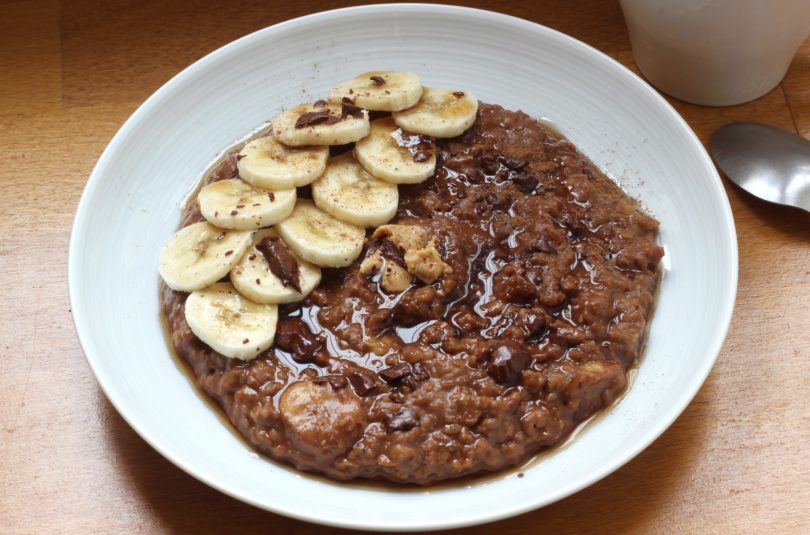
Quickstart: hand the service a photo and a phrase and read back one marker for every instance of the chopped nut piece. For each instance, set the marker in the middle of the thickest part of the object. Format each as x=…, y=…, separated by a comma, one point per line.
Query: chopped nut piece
x=394, y=278
x=426, y=263
x=372, y=263
x=406, y=236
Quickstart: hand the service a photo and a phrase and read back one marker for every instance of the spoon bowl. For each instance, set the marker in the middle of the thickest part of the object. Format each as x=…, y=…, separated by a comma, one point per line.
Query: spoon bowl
x=766, y=161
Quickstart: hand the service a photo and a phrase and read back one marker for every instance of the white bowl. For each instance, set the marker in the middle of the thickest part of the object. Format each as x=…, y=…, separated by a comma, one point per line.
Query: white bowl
x=132, y=200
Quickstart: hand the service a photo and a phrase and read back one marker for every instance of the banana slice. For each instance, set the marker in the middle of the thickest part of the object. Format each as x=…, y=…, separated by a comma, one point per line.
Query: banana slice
x=232, y=204
x=346, y=191
x=380, y=90
x=200, y=254
x=322, y=124
x=319, y=238
x=266, y=163
x=392, y=155
x=439, y=113
x=229, y=323
x=253, y=278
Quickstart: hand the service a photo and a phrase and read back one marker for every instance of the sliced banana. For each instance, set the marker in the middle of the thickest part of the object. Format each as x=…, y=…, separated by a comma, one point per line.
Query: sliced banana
x=439, y=113
x=233, y=204
x=346, y=191
x=253, y=278
x=319, y=238
x=229, y=323
x=326, y=124
x=321, y=420
x=380, y=90
x=200, y=254
x=395, y=156
x=268, y=164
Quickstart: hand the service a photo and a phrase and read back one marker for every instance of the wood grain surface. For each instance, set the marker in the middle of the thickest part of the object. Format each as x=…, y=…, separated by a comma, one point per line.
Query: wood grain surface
x=737, y=460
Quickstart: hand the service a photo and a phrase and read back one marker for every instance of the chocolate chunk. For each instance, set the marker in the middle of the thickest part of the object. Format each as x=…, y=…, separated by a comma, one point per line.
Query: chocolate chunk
x=239, y=157
x=489, y=160
x=458, y=94
x=536, y=326
x=363, y=382
x=525, y=182
x=395, y=373
x=421, y=156
x=337, y=382
x=293, y=336
x=312, y=118
x=320, y=103
x=337, y=150
x=544, y=245
x=350, y=110
x=402, y=420
x=282, y=263
x=378, y=80
x=507, y=360
x=347, y=100
x=418, y=374
x=392, y=251
x=513, y=162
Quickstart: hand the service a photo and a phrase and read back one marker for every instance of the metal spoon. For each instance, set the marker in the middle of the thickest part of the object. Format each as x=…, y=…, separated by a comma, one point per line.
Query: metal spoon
x=766, y=161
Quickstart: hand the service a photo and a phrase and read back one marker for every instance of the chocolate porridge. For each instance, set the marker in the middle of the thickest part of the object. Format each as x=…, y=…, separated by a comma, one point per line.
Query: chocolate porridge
x=544, y=276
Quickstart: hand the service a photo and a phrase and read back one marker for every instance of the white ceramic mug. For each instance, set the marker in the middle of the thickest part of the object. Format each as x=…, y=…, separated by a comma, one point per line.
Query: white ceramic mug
x=715, y=52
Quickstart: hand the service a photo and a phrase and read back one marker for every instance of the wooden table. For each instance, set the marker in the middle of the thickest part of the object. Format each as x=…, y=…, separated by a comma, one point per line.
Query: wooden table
x=737, y=460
